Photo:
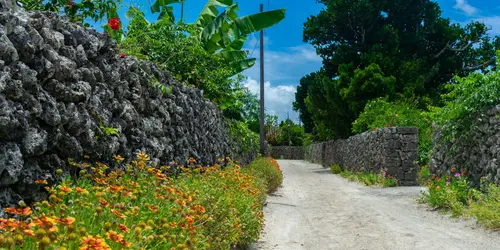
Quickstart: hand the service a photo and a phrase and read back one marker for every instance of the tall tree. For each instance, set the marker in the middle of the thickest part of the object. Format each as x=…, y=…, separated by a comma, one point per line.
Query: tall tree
x=300, y=105
x=387, y=48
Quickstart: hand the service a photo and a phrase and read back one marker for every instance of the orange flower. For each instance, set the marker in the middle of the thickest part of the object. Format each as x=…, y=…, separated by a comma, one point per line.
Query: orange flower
x=81, y=190
x=67, y=221
x=199, y=208
x=42, y=182
x=118, y=158
x=173, y=224
x=9, y=225
x=93, y=243
x=20, y=211
x=114, y=236
x=102, y=165
x=86, y=156
x=123, y=228
x=100, y=181
x=453, y=170
x=153, y=208
x=190, y=219
x=45, y=221
x=104, y=202
x=114, y=188
x=65, y=189
x=28, y=232
x=118, y=214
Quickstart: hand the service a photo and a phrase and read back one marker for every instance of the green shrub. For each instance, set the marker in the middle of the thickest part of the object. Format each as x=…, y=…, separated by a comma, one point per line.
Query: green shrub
x=336, y=169
x=451, y=193
x=267, y=169
x=424, y=174
x=380, y=113
x=486, y=208
x=467, y=96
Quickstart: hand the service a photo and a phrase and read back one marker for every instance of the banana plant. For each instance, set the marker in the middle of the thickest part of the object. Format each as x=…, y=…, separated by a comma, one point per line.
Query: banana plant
x=166, y=11
x=226, y=33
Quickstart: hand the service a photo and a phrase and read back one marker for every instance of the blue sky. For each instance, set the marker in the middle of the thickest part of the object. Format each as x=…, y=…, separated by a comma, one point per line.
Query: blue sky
x=287, y=58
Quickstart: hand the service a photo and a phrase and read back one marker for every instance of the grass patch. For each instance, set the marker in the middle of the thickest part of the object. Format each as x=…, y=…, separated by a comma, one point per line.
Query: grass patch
x=371, y=178
x=336, y=169
x=455, y=195
x=143, y=207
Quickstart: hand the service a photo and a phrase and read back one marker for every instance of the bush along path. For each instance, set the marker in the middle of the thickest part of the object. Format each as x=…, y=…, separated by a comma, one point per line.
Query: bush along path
x=315, y=209
x=140, y=206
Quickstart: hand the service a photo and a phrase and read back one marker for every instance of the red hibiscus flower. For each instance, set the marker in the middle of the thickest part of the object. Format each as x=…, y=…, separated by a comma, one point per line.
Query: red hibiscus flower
x=122, y=55
x=114, y=23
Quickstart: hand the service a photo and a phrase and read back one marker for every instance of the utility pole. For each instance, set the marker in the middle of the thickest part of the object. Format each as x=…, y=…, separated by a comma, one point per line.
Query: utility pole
x=182, y=12
x=262, y=145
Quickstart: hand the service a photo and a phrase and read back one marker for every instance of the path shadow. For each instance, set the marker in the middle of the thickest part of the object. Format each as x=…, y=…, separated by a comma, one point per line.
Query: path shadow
x=322, y=171
x=283, y=204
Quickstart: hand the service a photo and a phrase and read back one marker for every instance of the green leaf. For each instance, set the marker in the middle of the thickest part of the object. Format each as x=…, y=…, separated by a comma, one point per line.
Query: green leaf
x=159, y=4
x=241, y=65
x=259, y=21
x=210, y=11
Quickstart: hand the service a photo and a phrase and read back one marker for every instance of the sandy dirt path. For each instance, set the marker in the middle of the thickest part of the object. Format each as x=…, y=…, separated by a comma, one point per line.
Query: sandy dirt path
x=315, y=209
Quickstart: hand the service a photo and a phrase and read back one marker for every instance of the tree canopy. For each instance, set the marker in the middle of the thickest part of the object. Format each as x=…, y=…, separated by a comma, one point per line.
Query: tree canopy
x=397, y=49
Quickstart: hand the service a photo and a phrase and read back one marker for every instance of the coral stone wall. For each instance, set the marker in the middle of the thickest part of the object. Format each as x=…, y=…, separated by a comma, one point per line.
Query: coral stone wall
x=394, y=150
x=287, y=152
x=64, y=90
x=478, y=153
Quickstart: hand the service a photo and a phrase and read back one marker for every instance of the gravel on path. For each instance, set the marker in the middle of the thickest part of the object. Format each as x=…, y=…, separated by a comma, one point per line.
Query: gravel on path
x=315, y=209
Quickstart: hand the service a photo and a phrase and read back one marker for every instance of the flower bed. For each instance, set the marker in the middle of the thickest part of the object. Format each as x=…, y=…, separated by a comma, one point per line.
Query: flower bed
x=453, y=193
x=142, y=207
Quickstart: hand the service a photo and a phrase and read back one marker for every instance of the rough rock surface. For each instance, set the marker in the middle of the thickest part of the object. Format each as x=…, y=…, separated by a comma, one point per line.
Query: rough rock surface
x=394, y=150
x=62, y=87
x=478, y=153
x=287, y=152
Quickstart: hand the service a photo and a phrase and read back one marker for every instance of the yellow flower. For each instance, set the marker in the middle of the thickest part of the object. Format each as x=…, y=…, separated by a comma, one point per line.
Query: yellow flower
x=143, y=156
x=118, y=158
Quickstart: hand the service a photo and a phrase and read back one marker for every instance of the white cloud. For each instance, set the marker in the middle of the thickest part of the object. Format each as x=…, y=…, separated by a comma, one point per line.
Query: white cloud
x=466, y=8
x=288, y=65
x=278, y=99
x=492, y=22
x=282, y=70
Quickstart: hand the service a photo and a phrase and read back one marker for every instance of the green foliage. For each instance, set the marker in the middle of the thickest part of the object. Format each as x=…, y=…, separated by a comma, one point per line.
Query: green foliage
x=107, y=131
x=424, y=175
x=183, y=55
x=287, y=133
x=243, y=136
x=299, y=105
x=76, y=11
x=467, y=96
x=450, y=193
x=379, y=113
x=336, y=169
x=267, y=169
x=380, y=48
x=486, y=208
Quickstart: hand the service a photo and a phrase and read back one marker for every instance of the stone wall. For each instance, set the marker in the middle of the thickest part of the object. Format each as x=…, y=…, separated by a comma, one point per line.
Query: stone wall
x=287, y=152
x=62, y=86
x=478, y=154
x=394, y=150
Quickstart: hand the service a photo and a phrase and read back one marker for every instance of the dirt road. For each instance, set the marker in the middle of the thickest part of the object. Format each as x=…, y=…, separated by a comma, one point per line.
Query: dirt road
x=315, y=209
